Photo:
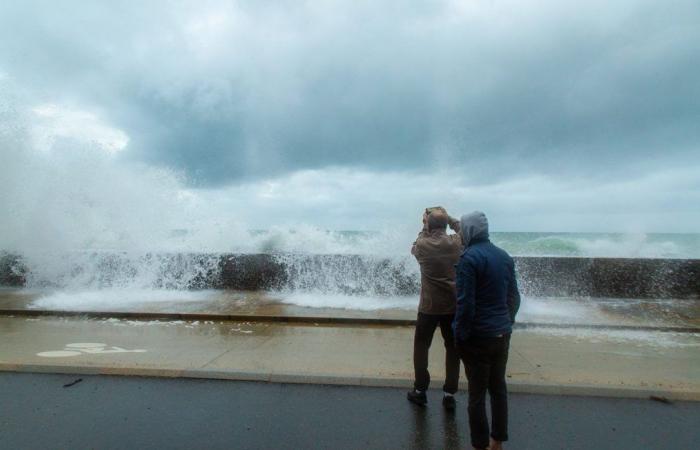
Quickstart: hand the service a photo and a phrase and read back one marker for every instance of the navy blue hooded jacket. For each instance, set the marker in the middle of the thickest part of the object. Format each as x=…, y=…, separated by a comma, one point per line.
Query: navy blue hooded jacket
x=487, y=289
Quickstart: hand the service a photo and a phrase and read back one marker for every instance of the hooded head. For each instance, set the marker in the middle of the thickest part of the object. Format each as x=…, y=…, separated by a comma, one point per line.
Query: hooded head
x=474, y=226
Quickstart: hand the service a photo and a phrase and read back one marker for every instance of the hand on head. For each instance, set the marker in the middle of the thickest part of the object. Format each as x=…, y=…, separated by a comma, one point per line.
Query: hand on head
x=433, y=209
x=436, y=218
x=429, y=210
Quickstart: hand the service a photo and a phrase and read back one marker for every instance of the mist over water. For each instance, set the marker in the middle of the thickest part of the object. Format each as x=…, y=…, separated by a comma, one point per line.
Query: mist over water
x=81, y=218
x=93, y=226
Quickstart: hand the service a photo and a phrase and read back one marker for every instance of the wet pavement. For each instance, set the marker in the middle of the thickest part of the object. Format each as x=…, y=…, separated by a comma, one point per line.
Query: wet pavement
x=555, y=361
x=213, y=302
x=257, y=336
x=104, y=412
x=665, y=313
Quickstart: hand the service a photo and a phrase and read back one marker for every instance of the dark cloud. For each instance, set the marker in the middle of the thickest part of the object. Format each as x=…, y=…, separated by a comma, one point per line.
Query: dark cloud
x=229, y=91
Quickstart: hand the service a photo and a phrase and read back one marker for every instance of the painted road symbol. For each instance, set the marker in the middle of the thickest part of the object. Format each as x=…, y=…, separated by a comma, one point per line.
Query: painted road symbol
x=82, y=348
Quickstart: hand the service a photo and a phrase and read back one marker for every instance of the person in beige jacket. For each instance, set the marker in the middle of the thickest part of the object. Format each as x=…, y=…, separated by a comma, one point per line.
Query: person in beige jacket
x=437, y=254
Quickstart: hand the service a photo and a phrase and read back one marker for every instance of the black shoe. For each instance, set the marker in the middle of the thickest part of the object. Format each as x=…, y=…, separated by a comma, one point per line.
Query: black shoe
x=448, y=401
x=419, y=398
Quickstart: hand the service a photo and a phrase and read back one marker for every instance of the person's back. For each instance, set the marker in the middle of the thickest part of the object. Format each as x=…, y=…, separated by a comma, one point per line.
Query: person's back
x=436, y=253
x=493, y=271
x=487, y=302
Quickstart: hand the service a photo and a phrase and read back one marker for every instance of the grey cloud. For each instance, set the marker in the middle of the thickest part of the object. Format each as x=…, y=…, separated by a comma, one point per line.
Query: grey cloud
x=228, y=91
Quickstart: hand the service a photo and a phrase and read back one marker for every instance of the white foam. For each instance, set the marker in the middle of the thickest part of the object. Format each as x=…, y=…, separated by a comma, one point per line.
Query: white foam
x=532, y=309
x=632, y=245
x=637, y=338
x=350, y=302
x=115, y=299
x=560, y=310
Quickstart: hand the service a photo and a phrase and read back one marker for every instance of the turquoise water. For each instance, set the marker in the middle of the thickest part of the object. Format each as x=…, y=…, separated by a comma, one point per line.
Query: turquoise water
x=650, y=245
x=628, y=245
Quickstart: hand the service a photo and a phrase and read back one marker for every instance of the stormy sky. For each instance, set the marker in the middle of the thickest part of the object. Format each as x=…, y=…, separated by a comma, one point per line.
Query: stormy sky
x=548, y=115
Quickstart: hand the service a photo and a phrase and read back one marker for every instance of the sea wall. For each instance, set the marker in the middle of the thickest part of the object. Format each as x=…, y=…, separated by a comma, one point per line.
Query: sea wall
x=610, y=277
x=353, y=274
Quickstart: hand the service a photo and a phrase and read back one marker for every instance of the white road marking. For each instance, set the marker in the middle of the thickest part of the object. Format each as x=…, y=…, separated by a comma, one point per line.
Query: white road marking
x=82, y=348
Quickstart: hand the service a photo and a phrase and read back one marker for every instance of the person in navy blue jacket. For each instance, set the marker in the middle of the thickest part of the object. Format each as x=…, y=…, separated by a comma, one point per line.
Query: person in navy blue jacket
x=487, y=302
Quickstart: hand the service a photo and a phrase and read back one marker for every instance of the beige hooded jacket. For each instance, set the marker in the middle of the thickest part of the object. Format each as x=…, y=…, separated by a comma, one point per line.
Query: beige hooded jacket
x=437, y=253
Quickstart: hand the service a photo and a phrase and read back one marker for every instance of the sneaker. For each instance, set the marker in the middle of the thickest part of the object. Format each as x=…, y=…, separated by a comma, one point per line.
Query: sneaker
x=419, y=398
x=449, y=402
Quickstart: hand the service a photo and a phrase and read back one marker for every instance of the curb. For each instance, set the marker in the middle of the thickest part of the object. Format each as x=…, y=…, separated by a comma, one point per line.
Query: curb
x=580, y=390
x=206, y=316
x=308, y=319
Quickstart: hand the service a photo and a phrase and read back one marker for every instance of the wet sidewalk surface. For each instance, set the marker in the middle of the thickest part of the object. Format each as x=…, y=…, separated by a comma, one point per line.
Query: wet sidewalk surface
x=211, y=303
x=555, y=361
x=671, y=314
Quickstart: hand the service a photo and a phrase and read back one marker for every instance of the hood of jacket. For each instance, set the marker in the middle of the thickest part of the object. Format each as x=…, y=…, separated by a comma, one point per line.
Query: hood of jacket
x=474, y=226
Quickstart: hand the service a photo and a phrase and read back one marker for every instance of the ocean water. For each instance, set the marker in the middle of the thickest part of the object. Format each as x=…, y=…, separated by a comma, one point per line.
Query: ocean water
x=623, y=245
x=106, y=276
x=627, y=245
x=111, y=266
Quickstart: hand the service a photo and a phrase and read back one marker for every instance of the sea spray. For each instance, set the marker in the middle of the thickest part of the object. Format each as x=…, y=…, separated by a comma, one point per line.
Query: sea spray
x=359, y=275
x=76, y=271
x=80, y=218
x=350, y=275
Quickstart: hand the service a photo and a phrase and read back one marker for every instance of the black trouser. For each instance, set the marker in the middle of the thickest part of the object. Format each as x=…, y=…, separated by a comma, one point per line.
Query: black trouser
x=425, y=329
x=485, y=363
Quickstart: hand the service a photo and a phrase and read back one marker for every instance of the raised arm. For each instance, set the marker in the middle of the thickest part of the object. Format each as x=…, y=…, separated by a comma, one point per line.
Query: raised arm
x=466, y=306
x=424, y=231
x=454, y=224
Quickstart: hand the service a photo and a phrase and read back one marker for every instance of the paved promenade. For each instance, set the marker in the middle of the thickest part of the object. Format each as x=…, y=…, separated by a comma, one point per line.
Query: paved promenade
x=622, y=363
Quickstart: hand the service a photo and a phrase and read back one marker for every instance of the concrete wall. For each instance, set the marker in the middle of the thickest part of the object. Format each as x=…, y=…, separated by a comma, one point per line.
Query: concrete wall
x=540, y=276
x=610, y=277
x=12, y=271
x=352, y=274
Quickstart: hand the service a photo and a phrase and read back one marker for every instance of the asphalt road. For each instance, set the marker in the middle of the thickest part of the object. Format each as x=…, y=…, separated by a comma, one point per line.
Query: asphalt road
x=101, y=412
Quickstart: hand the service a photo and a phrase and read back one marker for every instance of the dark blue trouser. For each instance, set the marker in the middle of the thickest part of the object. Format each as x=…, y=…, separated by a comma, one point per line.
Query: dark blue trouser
x=485, y=364
x=425, y=329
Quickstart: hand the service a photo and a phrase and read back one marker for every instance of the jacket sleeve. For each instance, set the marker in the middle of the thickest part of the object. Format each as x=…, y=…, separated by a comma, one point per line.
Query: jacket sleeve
x=454, y=224
x=513, y=294
x=415, y=248
x=466, y=288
